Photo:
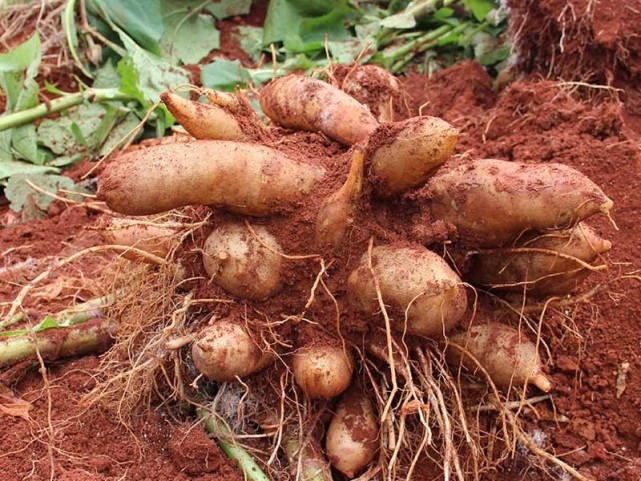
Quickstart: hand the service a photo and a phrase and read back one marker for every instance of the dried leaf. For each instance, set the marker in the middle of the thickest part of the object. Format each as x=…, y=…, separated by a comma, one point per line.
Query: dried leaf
x=12, y=406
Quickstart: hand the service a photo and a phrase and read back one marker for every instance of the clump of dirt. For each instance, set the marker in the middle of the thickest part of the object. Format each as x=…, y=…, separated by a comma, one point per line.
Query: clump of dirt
x=91, y=444
x=582, y=41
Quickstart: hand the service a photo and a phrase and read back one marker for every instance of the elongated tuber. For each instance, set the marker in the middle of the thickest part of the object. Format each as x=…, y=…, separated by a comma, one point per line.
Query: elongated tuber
x=425, y=296
x=204, y=121
x=304, y=103
x=244, y=178
x=506, y=354
x=492, y=202
x=552, y=263
x=337, y=211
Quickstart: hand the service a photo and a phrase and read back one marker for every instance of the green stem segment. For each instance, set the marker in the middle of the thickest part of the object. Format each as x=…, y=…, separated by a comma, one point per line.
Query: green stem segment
x=88, y=338
x=245, y=461
x=16, y=119
x=423, y=43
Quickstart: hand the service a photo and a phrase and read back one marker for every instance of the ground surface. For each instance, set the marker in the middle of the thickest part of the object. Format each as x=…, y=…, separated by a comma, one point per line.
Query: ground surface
x=589, y=423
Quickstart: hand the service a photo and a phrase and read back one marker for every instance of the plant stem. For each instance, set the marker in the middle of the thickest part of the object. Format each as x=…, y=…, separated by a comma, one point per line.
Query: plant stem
x=424, y=43
x=90, y=337
x=16, y=119
x=245, y=461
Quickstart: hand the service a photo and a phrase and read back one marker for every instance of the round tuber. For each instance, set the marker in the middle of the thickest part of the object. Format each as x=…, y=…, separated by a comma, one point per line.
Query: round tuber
x=322, y=371
x=425, y=295
x=246, y=264
x=225, y=350
x=352, y=436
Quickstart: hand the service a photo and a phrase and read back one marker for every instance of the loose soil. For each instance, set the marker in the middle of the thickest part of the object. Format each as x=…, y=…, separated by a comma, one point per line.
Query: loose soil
x=589, y=423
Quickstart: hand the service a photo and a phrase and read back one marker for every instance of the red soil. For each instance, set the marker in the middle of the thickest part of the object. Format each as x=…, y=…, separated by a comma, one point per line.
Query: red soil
x=532, y=120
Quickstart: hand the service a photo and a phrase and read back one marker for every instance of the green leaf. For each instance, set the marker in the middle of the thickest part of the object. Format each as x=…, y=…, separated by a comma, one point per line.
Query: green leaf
x=250, y=40
x=106, y=77
x=141, y=20
x=306, y=19
x=224, y=75
x=154, y=75
x=20, y=193
x=25, y=143
x=401, y=20
x=189, y=37
x=229, y=8
x=76, y=132
x=9, y=168
x=118, y=133
x=21, y=57
x=479, y=8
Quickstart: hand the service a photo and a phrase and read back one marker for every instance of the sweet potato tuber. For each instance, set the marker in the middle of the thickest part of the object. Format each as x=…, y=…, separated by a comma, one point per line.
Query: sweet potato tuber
x=149, y=237
x=244, y=178
x=492, y=202
x=507, y=356
x=375, y=87
x=352, y=434
x=203, y=121
x=337, y=211
x=427, y=298
x=225, y=350
x=552, y=263
x=322, y=371
x=403, y=155
x=304, y=103
x=245, y=264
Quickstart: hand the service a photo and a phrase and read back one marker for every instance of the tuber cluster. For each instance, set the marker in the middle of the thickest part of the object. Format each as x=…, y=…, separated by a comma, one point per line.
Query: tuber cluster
x=519, y=224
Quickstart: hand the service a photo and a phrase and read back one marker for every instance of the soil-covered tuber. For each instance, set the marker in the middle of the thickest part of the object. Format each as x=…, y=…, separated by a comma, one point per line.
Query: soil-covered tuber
x=541, y=264
x=403, y=155
x=245, y=263
x=244, y=178
x=505, y=353
x=352, y=436
x=304, y=103
x=149, y=237
x=425, y=295
x=492, y=202
x=226, y=350
x=322, y=371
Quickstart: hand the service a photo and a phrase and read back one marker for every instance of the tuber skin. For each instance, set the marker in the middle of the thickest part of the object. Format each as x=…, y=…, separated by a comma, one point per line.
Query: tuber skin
x=322, y=371
x=507, y=356
x=154, y=239
x=244, y=178
x=245, y=264
x=303, y=103
x=540, y=270
x=337, y=211
x=225, y=350
x=412, y=281
x=403, y=155
x=492, y=202
x=375, y=87
x=352, y=436
x=204, y=121
x=313, y=466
